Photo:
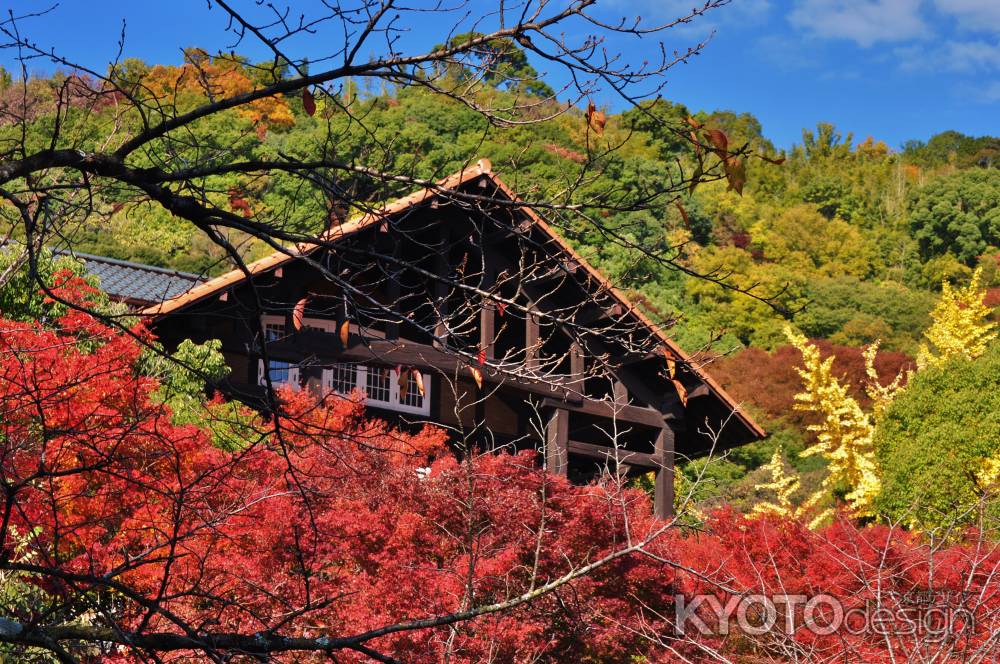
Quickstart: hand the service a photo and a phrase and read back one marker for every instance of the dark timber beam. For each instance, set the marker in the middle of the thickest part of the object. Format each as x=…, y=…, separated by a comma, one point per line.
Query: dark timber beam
x=594, y=313
x=610, y=454
x=487, y=316
x=620, y=391
x=557, y=442
x=442, y=268
x=532, y=345
x=577, y=367
x=635, y=414
x=393, y=295
x=663, y=455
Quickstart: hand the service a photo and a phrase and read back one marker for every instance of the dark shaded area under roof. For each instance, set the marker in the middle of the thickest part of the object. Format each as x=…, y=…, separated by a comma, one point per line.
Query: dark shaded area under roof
x=135, y=283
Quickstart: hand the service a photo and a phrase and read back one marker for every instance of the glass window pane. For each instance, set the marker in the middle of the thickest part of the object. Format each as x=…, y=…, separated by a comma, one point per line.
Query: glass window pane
x=378, y=384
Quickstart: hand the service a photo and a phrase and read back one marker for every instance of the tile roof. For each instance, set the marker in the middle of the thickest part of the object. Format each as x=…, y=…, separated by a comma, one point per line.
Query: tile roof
x=136, y=283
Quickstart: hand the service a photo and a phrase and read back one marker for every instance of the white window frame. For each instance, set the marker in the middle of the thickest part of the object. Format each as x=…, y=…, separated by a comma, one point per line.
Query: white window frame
x=293, y=369
x=293, y=375
x=393, y=403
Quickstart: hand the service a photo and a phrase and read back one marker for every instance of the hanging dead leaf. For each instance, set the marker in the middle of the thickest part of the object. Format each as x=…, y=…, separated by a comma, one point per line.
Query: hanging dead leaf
x=345, y=333
x=418, y=378
x=684, y=215
x=261, y=131
x=308, y=102
x=404, y=383
x=696, y=143
x=777, y=161
x=736, y=174
x=682, y=392
x=478, y=376
x=501, y=308
x=671, y=368
x=596, y=119
x=718, y=139
x=299, y=314
x=694, y=123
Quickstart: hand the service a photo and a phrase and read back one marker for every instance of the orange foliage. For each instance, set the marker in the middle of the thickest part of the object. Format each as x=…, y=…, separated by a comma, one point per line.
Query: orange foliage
x=218, y=78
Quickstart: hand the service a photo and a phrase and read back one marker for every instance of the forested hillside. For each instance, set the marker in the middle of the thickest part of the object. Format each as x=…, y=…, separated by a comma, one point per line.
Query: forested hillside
x=849, y=239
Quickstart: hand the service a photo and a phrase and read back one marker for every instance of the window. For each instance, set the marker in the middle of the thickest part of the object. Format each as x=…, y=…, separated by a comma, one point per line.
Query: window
x=280, y=373
x=273, y=330
x=343, y=378
x=378, y=386
x=412, y=398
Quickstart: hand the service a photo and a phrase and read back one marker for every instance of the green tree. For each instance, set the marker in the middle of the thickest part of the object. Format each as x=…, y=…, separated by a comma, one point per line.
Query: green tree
x=501, y=63
x=936, y=441
x=802, y=238
x=22, y=299
x=959, y=213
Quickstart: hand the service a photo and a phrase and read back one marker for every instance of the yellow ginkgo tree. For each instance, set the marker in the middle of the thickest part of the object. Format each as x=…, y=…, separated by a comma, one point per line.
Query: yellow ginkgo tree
x=959, y=327
x=844, y=432
x=783, y=487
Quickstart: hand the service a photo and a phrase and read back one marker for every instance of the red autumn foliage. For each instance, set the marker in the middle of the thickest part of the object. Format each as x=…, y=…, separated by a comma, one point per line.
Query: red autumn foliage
x=769, y=382
x=237, y=203
x=324, y=526
x=992, y=298
x=565, y=153
x=321, y=526
x=891, y=595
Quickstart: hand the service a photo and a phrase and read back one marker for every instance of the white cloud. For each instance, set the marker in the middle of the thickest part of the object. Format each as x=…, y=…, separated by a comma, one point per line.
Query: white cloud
x=973, y=15
x=972, y=56
x=863, y=21
x=958, y=56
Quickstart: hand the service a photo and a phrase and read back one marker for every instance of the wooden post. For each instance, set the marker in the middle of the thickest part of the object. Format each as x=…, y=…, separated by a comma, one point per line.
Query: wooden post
x=663, y=501
x=620, y=391
x=487, y=320
x=532, y=347
x=576, y=368
x=441, y=289
x=557, y=442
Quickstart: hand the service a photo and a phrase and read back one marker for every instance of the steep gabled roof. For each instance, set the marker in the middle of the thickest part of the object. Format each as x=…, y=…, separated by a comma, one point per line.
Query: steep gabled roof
x=482, y=167
x=135, y=283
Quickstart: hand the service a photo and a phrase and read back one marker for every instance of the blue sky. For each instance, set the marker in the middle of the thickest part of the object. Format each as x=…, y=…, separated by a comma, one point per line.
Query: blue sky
x=893, y=69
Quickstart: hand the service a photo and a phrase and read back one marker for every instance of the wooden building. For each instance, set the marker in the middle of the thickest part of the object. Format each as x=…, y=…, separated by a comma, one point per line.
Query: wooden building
x=457, y=305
